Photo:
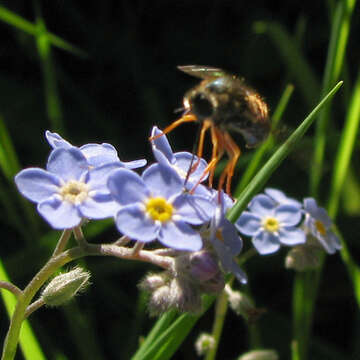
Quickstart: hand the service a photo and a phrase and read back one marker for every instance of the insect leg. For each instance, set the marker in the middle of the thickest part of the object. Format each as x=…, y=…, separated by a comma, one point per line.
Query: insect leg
x=176, y=123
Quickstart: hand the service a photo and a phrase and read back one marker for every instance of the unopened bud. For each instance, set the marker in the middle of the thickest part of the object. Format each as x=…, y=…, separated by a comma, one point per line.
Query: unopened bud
x=154, y=281
x=204, y=343
x=203, y=266
x=243, y=305
x=65, y=286
x=303, y=257
x=260, y=355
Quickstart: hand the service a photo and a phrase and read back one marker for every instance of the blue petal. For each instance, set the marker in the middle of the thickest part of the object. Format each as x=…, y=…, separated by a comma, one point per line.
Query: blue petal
x=226, y=257
x=135, y=164
x=99, y=207
x=288, y=215
x=161, y=148
x=98, y=176
x=68, y=164
x=180, y=236
x=317, y=212
x=330, y=242
x=37, y=184
x=292, y=236
x=99, y=154
x=182, y=165
x=248, y=223
x=56, y=141
x=266, y=243
x=127, y=187
x=193, y=209
x=59, y=214
x=281, y=198
x=231, y=237
x=262, y=205
x=162, y=181
x=132, y=221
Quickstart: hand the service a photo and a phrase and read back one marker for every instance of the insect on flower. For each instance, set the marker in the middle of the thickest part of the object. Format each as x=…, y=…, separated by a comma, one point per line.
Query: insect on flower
x=223, y=103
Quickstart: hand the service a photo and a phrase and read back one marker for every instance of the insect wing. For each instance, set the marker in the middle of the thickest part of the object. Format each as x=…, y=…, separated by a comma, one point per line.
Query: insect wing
x=202, y=72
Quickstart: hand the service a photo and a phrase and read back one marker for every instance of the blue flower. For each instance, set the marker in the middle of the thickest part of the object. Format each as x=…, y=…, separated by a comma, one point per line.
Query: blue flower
x=318, y=224
x=180, y=161
x=281, y=198
x=68, y=192
x=154, y=206
x=226, y=241
x=95, y=154
x=271, y=225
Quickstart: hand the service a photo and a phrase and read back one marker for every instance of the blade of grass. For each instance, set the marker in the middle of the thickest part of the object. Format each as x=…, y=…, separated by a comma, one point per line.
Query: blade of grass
x=9, y=164
x=340, y=30
x=11, y=18
x=293, y=58
x=345, y=150
x=268, y=144
x=306, y=286
x=274, y=162
x=168, y=341
x=160, y=326
x=52, y=97
x=28, y=342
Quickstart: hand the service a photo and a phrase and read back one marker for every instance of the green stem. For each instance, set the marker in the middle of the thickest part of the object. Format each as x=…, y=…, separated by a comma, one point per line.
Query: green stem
x=220, y=314
x=39, y=279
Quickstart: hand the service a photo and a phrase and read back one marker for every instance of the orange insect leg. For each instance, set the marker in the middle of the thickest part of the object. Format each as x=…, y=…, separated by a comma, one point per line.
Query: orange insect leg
x=175, y=124
x=234, y=153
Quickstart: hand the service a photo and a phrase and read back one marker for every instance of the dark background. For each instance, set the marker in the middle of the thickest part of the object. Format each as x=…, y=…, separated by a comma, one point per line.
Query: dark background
x=127, y=83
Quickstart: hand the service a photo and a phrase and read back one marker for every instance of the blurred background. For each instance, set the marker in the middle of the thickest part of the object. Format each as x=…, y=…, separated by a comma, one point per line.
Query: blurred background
x=106, y=72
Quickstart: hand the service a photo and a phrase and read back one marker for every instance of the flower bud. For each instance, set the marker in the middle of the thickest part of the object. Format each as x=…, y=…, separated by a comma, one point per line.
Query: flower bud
x=65, y=286
x=154, y=281
x=203, y=266
x=204, y=343
x=243, y=305
x=178, y=294
x=303, y=257
x=260, y=355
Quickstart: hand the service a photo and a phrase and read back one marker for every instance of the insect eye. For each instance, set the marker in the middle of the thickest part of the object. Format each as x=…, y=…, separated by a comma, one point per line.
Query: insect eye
x=201, y=106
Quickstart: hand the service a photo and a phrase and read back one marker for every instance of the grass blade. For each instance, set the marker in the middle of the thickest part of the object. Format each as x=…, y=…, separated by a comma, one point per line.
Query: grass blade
x=28, y=27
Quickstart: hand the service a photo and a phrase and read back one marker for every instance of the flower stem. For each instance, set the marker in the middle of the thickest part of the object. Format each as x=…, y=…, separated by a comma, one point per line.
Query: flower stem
x=220, y=314
x=10, y=287
x=39, y=279
x=22, y=309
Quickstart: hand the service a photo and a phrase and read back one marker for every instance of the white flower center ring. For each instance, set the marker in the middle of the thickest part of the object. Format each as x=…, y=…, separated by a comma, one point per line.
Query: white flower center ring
x=74, y=191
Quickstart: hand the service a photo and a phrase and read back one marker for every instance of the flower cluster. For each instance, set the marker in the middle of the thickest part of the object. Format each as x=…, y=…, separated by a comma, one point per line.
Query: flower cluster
x=274, y=219
x=169, y=203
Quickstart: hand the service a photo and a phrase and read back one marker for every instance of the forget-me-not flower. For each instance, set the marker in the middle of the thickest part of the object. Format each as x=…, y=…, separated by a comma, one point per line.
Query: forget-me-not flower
x=154, y=206
x=67, y=191
x=271, y=225
x=318, y=223
x=180, y=161
x=95, y=154
x=225, y=240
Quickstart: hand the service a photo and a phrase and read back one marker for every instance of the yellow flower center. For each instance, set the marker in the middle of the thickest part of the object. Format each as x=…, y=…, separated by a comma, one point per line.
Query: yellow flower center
x=271, y=224
x=219, y=235
x=159, y=209
x=74, y=191
x=320, y=227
